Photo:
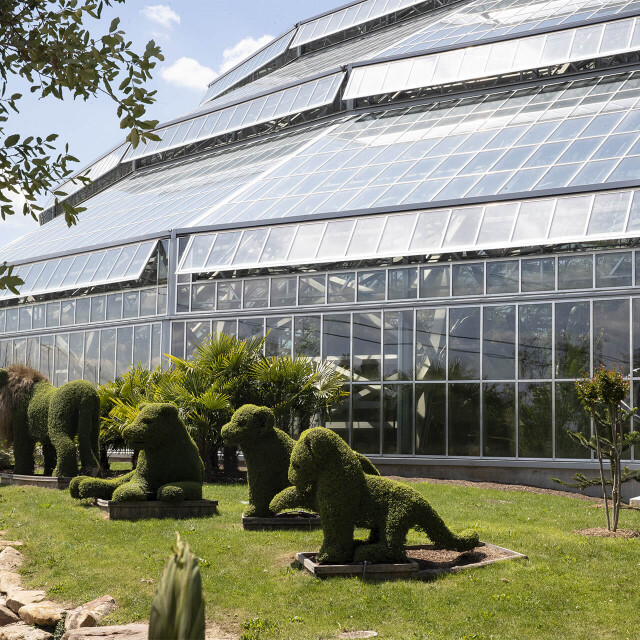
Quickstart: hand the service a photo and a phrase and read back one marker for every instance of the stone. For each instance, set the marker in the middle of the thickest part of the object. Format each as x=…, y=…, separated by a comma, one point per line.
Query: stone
x=123, y=632
x=43, y=614
x=90, y=614
x=10, y=559
x=634, y=502
x=7, y=616
x=20, y=598
x=11, y=543
x=22, y=631
x=10, y=581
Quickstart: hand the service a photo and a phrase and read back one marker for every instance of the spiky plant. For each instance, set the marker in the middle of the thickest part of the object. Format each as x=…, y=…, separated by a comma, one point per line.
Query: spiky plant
x=177, y=610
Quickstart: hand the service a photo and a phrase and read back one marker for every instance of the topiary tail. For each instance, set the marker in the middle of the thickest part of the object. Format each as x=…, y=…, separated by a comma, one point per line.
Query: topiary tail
x=433, y=525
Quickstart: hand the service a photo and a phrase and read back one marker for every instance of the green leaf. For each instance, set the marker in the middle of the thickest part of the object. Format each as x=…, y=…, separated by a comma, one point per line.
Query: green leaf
x=12, y=140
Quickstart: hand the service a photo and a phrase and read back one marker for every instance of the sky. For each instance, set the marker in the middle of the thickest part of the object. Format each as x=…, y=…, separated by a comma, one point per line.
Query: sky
x=199, y=39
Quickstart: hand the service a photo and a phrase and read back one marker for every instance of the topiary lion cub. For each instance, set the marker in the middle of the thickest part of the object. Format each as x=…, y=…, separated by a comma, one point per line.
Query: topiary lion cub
x=267, y=453
x=169, y=465
x=324, y=465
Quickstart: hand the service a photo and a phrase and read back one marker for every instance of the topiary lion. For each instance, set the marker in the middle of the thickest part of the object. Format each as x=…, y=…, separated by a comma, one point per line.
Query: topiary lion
x=323, y=464
x=169, y=466
x=32, y=410
x=267, y=453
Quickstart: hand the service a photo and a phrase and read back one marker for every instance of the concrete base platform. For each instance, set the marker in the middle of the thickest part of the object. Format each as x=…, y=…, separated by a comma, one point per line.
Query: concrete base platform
x=44, y=482
x=158, y=509
x=483, y=555
x=298, y=520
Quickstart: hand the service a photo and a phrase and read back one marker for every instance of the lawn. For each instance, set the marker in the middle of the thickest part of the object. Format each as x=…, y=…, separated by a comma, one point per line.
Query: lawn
x=567, y=588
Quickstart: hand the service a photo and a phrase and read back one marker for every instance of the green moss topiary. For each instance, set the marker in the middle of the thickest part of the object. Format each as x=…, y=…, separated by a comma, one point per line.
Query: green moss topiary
x=32, y=410
x=324, y=465
x=169, y=465
x=267, y=453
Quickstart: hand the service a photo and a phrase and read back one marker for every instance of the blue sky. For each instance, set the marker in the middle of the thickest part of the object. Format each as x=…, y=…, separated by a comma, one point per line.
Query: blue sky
x=199, y=39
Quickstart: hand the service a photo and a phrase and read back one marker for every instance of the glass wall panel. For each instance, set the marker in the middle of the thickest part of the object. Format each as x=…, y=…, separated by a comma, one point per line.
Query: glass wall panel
x=503, y=277
x=203, y=296
x=398, y=345
x=342, y=288
x=575, y=272
x=570, y=416
x=61, y=360
x=148, y=302
x=91, y=356
x=535, y=421
x=336, y=341
x=249, y=328
x=371, y=285
x=499, y=346
x=33, y=353
x=535, y=336
x=614, y=269
x=53, y=314
x=464, y=343
x=468, y=279
x=195, y=333
x=98, y=309
x=225, y=326
x=365, y=433
x=338, y=420
x=611, y=334
x=256, y=293
x=142, y=345
x=39, y=320
x=403, y=283
x=431, y=419
x=131, y=304
x=397, y=415
x=306, y=340
x=367, y=346
x=12, y=320
x=312, y=290
x=572, y=339
x=20, y=351
x=284, y=292
x=499, y=420
x=434, y=282
x=46, y=356
x=177, y=339
x=431, y=344
x=278, y=341
x=67, y=312
x=124, y=353
x=538, y=274
x=464, y=419
x=76, y=349
x=182, y=298
x=83, y=311
x=229, y=295
x=24, y=322
x=156, y=345
x=114, y=306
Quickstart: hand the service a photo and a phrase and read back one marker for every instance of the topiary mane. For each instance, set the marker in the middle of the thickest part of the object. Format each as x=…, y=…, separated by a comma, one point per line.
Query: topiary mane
x=323, y=465
x=16, y=383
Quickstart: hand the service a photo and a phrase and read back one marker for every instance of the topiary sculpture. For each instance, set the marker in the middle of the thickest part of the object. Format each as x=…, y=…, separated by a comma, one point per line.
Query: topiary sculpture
x=323, y=464
x=169, y=466
x=267, y=453
x=32, y=410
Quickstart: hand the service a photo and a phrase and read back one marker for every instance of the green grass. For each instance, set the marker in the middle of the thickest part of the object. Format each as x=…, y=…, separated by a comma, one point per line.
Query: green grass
x=571, y=586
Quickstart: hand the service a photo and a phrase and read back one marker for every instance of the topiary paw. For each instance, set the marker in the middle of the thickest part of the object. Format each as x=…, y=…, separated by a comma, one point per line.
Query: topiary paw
x=466, y=541
x=74, y=486
x=129, y=492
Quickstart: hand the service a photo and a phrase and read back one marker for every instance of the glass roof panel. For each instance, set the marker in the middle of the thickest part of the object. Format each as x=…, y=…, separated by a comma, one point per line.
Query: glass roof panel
x=249, y=66
x=348, y=17
x=499, y=58
x=521, y=140
x=74, y=271
x=520, y=223
x=482, y=19
x=297, y=99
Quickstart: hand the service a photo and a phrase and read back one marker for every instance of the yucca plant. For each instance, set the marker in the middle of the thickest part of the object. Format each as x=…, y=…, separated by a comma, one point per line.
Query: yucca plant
x=177, y=610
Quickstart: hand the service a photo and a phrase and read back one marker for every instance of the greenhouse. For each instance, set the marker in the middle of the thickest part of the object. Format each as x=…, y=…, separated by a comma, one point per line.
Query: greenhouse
x=442, y=198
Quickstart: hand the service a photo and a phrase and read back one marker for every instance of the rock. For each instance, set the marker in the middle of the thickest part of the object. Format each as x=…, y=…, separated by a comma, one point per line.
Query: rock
x=7, y=616
x=90, y=614
x=11, y=543
x=22, y=631
x=124, y=632
x=20, y=598
x=10, y=581
x=43, y=614
x=10, y=559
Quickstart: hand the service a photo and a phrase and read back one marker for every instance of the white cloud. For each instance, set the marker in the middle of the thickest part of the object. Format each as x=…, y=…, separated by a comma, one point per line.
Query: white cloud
x=15, y=226
x=236, y=54
x=160, y=13
x=189, y=73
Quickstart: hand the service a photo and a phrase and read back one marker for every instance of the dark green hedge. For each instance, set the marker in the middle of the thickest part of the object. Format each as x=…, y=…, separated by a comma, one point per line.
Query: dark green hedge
x=169, y=465
x=324, y=465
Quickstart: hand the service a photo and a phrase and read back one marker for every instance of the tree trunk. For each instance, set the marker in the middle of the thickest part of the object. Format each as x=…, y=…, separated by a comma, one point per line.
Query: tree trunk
x=604, y=484
x=104, y=461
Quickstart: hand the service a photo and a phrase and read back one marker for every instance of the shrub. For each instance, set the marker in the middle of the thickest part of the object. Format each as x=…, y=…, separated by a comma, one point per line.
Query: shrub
x=324, y=465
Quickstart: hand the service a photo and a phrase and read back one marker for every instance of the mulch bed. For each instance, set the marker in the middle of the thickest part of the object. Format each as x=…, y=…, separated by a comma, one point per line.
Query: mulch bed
x=431, y=558
x=602, y=532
